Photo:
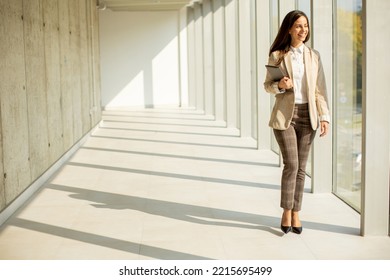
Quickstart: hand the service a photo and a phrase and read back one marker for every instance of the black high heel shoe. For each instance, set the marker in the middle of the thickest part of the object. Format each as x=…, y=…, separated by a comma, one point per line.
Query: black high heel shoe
x=285, y=229
x=297, y=230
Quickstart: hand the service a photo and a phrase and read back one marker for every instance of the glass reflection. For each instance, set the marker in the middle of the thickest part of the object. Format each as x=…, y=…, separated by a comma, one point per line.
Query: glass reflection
x=348, y=101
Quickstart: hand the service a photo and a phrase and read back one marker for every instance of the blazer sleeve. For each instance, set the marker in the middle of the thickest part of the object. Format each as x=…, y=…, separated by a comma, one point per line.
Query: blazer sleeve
x=321, y=93
x=269, y=85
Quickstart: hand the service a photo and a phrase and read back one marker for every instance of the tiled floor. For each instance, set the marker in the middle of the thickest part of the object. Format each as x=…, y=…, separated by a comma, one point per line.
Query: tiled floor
x=174, y=184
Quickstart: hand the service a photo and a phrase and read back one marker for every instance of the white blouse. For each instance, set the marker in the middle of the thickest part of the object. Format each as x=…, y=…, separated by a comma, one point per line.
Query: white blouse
x=298, y=68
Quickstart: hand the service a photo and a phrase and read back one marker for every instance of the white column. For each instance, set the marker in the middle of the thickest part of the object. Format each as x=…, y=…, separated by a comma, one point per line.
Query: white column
x=245, y=67
x=232, y=66
x=199, y=58
x=191, y=58
x=263, y=45
x=286, y=6
x=183, y=57
x=321, y=30
x=219, y=59
x=208, y=52
x=376, y=119
x=254, y=76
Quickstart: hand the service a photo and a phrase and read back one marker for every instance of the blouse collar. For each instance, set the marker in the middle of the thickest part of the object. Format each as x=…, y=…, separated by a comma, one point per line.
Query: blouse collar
x=299, y=49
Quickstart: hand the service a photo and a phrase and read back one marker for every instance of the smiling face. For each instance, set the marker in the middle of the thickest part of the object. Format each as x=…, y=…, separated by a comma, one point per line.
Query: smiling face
x=299, y=31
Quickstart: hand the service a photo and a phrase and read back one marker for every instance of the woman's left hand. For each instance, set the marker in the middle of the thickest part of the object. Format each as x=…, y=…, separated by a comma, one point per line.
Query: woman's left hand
x=324, y=128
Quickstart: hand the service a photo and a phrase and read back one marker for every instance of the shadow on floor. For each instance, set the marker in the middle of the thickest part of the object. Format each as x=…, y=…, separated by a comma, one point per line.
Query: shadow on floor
x=99, y=240
x=191, y=213
x=178, y=176
x=183, y=157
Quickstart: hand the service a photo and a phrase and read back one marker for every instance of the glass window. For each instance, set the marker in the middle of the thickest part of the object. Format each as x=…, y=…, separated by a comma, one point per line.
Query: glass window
x=348, y=101
x=304, y=6
x=274, y=6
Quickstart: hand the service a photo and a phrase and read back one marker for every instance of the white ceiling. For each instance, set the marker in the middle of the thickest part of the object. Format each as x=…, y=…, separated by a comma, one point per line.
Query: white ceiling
x=144, y=5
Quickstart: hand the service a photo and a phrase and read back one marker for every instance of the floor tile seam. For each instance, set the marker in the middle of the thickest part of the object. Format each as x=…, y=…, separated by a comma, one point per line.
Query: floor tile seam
x=219, y=232
x=142, y=241
x=308, y=247
x=222, y=243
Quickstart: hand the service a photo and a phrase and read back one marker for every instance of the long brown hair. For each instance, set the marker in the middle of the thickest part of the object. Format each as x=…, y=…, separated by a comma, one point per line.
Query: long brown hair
x=283, y=39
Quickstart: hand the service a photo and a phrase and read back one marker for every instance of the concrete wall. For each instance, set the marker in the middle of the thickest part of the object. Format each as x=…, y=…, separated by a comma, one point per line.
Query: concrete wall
x=140, y=58
x=49, y=86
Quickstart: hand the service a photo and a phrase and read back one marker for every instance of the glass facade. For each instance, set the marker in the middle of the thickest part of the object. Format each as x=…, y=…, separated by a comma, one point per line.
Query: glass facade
x=347, y=91
x=347, y=112
x=339, y=161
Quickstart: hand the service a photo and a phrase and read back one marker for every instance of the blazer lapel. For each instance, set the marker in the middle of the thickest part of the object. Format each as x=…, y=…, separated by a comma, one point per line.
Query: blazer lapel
x=308, y=68
x=287, y=62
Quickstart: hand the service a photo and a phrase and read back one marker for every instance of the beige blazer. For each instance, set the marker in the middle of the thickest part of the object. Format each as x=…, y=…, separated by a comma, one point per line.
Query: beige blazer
x=283, y=109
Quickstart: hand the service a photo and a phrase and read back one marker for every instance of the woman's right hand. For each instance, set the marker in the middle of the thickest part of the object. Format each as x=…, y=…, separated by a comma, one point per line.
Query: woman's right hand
x=285, y=83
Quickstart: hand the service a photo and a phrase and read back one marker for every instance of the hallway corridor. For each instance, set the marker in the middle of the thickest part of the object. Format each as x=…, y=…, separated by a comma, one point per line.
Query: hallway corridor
x=175, y=184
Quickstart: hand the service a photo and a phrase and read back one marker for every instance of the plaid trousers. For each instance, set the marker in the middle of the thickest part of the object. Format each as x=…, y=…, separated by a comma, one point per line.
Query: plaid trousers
x=295, y=143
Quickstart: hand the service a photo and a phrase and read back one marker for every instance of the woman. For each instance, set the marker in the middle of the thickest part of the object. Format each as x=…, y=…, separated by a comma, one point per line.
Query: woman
x=300, y=108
